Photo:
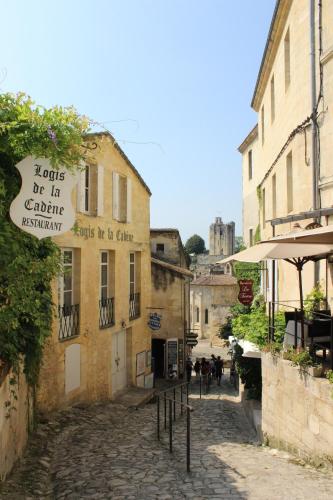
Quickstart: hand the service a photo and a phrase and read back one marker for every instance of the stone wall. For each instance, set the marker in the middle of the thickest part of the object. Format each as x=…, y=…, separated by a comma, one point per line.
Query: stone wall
x=297, y=411
x=15, y=416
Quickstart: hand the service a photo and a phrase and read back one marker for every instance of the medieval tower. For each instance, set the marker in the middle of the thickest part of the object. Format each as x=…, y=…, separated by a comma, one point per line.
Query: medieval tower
x=221, y=238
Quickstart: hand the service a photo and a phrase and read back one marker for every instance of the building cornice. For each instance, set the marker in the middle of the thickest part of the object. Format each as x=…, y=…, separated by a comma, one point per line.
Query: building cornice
x=248, y=139
x=279, y=18
x=171, y=267
x=115, y=144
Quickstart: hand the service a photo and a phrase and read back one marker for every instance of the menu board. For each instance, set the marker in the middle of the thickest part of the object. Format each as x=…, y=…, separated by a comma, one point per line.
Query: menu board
x=172, y=352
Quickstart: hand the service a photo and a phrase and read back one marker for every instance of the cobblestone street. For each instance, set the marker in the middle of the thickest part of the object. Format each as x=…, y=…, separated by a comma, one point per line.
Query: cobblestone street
x=108, y=451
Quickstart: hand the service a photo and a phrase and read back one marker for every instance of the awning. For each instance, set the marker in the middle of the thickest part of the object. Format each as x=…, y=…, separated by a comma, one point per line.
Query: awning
x=320, y=235
x=279, y=250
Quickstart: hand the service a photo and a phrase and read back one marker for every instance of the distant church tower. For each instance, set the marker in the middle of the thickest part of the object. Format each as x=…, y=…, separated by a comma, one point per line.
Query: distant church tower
x=221, y=238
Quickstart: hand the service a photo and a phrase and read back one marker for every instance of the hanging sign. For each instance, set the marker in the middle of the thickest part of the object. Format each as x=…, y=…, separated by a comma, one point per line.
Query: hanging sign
x=154, y=322
x=245, y=295
x=43, y=207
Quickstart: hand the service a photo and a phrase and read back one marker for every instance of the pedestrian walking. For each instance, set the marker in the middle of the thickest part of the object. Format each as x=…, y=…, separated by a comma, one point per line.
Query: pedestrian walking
x=189, y=367
x=212, y=366
x=219, y=369
x=205, y=372
x=197, y=368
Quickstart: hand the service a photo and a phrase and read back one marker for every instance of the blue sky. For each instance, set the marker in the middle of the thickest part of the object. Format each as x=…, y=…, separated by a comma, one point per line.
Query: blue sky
x=171, y=79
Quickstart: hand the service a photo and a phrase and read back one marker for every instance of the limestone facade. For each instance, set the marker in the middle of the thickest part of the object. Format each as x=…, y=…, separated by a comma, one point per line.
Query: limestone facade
x=277, y=154
x=297, y=410
x=169, y=310
x=211, y=298
x=100, y=340
x=16, y=416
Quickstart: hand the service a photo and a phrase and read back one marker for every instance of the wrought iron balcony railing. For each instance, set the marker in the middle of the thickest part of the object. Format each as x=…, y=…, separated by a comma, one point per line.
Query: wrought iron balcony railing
x=106, y=312
x=69, y=321
x=134, y=306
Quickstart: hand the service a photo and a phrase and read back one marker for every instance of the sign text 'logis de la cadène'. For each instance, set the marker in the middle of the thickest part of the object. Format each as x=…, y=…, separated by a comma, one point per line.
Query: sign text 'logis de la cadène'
x=43, y=207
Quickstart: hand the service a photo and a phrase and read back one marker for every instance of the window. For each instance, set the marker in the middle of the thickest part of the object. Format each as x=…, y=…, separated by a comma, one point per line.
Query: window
x=68, y=311
x=104, y=276
x=263, y=207
x=198, y=314
x=287, y=60
x=274, y=196
x=250, y=163
x=122, y=198
x=272, y=100
x=90, y=192
x=251, y=237
x=206, y=316
x=160, y=247
x=290, y=201
x=262, y=125
x=132, y=273
x=134, y=285
x=66, y=291
x=106, y=299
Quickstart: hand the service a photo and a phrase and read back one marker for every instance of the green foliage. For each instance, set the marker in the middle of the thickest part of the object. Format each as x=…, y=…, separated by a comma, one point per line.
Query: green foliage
x=249, y=370
x=248, y=271
x=329, y=376
x=257, y=235
x=27, y=265
x=253, y=326
x=28, y=129
x=302, y=359
x=195, y=244
x=226, y=330
x=314, y=301
x=187, y=257
x=239, y=244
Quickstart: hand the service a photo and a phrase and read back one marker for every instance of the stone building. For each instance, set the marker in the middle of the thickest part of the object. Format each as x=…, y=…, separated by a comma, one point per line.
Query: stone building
x=221, y=238
x=211, y=298
x=287, y=174
x=169, y=311
x=100, y=340
x=288, y=184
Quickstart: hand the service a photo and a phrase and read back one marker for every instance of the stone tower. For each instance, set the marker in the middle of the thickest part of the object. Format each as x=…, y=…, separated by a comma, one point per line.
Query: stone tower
x=221, y=238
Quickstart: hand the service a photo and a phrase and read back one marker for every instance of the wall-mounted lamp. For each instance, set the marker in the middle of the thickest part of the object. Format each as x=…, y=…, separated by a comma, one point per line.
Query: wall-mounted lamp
x=123, y=323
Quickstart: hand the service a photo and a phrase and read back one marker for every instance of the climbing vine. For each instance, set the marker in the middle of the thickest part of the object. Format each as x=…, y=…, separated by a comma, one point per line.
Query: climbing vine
x=27, y=265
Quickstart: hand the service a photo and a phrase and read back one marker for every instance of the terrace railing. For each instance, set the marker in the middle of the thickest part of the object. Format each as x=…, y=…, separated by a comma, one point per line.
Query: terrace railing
x=134, y=306
x=69, y=321
x=106, y=312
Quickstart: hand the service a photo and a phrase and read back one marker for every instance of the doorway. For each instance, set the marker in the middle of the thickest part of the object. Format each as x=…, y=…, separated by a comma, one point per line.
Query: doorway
x=158, y=355
x=119, y=376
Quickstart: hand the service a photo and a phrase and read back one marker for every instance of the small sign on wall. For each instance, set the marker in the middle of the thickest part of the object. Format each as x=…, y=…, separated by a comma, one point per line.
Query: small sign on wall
x=245, y=295
x=43, y=207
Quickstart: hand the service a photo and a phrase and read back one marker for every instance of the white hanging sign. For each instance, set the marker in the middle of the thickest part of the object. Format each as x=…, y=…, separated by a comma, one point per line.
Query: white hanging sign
x=43, y=207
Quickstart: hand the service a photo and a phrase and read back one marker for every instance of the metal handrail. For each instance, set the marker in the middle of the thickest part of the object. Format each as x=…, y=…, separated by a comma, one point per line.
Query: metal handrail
x=172, y=416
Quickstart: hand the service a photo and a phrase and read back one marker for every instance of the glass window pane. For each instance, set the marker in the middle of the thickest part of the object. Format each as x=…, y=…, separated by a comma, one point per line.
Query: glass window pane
x=131, y=273
x=104, y=293
x=68, y=279
x=68, y=298
x=104, y=257
x=131, y=257
x=68, y=257
x=104, y=275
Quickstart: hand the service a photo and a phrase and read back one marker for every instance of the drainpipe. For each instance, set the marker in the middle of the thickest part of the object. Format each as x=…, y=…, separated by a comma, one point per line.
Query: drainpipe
x=314, y=152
